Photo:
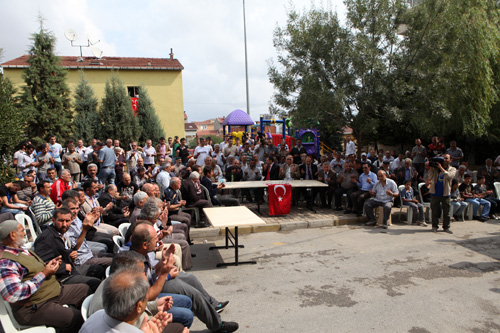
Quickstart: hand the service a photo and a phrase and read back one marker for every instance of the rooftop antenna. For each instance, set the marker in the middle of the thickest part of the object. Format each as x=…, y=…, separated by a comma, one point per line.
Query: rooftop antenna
x=71, y=35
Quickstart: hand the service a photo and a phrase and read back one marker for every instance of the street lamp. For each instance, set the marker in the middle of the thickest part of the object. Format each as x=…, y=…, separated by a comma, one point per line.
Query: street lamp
x=246, y=56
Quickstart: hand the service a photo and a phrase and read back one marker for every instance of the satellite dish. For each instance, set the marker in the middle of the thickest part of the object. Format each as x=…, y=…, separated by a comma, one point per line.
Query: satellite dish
x=70, y=34
x=97, y=52
x=91, y=40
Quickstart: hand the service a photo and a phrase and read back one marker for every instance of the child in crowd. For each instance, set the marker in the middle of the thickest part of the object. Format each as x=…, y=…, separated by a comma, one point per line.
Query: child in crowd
x=425, y=190
x=409, y=200
x=457, y=202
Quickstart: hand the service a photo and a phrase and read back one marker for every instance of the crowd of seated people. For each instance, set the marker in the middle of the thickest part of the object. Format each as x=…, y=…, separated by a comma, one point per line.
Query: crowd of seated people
x=79, y=197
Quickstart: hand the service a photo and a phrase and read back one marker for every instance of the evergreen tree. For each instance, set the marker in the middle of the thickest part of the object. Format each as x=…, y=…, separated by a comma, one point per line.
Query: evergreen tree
x=45, y=98
x=13, y=122
x=117, y=118
x=87, y=123
x=148, y=119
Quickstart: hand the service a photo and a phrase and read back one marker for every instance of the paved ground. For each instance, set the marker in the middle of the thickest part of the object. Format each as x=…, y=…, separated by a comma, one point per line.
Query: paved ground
x=356, y=279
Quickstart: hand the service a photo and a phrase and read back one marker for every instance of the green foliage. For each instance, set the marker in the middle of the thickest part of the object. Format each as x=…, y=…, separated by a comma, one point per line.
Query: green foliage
x=117, y=118
x=87, y=123
x=441, y=78
x=13, y=122
x=148, y=119
x=449, y=64
x=312, y=76
x=45, y=98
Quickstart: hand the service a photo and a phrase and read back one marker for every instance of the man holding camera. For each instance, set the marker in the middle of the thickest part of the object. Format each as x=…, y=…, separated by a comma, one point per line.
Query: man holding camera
x=441, y=173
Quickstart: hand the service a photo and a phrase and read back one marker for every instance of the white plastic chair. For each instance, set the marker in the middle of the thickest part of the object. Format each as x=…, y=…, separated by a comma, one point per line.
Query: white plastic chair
x=86, y=305
x=10, y=324
x=108, y=269
x=119, y=241
x=122, y=228
x=409, y=211
x=425, y=204
x=497, y=189
x=24, y=220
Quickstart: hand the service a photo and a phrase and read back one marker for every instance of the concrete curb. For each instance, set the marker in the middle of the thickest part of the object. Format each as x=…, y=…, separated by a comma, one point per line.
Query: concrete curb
x=333, y=221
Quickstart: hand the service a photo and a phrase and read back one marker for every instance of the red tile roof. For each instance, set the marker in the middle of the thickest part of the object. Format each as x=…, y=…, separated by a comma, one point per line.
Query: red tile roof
x=208, y=133
x=190, y=127
x=107, y=63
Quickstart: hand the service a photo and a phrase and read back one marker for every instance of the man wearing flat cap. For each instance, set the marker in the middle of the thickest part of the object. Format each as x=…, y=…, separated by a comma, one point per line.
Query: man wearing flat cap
x=29, y=285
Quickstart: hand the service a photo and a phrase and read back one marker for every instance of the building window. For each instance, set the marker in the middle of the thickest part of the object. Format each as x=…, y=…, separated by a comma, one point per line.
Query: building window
x=203, y=127
x=133, y=91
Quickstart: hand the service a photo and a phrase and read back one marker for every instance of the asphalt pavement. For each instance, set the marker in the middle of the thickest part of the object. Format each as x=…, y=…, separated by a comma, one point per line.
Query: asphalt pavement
x=359, y=279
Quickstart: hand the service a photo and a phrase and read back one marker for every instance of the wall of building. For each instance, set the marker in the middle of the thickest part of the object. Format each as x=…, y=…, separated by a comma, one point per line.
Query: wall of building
x=164, y=88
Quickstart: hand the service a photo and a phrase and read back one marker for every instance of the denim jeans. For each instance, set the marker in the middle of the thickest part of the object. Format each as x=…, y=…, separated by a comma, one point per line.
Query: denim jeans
x=458, y=207
x=181, y=309
x=476, y=203
x=107, y=176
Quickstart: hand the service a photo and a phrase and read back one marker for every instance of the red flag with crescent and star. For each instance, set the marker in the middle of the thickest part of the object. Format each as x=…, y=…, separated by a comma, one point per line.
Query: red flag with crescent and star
x=280, y=198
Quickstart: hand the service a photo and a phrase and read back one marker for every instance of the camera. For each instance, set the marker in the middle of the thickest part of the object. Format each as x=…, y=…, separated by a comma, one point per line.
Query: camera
x=434, y=161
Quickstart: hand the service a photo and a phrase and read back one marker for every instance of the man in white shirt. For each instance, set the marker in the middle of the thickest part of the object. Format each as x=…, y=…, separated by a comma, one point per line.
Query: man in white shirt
x=384, y=191
x=350, y=146
x=150, y=153
x=201, y=152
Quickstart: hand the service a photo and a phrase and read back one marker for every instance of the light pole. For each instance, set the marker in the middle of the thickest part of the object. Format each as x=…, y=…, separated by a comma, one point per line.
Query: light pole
x=246, y=56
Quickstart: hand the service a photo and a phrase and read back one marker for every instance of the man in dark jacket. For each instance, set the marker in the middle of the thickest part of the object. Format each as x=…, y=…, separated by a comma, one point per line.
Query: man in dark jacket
x=271, y=169
x=213, y=190
x=52, y=243
x=116, y=215
x=193, y=196
x=308, y=171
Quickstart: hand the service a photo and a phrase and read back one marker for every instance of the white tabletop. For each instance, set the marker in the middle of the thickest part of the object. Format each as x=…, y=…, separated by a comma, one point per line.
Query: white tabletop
x=234, y=216
x=265, y=183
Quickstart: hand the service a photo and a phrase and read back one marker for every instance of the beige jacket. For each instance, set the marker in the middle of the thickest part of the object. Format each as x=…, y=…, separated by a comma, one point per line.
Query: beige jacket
x=448, y=177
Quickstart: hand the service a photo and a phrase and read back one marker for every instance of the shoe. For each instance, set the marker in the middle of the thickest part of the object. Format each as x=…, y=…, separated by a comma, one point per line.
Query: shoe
x=448, y=231
x=370, y=224
x=482, y=219
x=421, y=223
x=347, y=211
x=359, y=214
x=385, y=226
x=202, y=225
x=227, y=327
x=434, y=230
x=220, y=306
x=338, y=209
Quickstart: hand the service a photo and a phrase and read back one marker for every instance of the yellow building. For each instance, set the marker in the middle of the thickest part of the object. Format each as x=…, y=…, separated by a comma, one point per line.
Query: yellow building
x=161, y=76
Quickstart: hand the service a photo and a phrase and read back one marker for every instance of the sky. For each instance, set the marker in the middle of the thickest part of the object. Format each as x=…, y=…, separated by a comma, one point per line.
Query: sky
x=206, y=37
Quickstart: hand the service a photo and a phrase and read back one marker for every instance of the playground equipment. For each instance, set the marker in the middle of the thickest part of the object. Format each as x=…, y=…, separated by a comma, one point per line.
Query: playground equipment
x=237, y=118
x=310, y=140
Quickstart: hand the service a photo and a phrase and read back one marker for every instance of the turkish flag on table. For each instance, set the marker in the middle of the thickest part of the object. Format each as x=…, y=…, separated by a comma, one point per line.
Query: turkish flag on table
x=280, y=198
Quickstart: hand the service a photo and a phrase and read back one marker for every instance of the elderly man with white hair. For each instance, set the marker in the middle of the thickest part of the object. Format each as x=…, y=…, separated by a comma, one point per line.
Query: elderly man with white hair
x=139, y=200
x=163, y=178
x=30, y=285
x=191, y=192
x=125, y=298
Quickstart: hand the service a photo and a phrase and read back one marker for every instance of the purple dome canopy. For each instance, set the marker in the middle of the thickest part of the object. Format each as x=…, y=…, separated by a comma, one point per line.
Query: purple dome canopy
x=238, y=117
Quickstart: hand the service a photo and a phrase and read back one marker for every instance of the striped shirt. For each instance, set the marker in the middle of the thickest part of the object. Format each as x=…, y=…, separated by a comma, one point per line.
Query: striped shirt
x=43, y=208
x=12, y=287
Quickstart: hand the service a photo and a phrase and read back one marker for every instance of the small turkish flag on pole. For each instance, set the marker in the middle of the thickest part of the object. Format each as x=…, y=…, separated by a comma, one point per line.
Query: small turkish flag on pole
x=280, y=198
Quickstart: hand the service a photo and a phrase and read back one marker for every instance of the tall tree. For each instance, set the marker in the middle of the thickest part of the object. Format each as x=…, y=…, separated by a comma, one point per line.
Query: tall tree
x=449, y=65
x=13, y=122
x=87, y=123
x=117, y=118
x=148, y=119
x=45, y=97
x=313, y=76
